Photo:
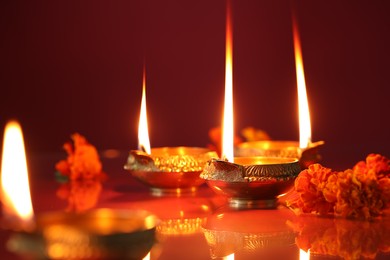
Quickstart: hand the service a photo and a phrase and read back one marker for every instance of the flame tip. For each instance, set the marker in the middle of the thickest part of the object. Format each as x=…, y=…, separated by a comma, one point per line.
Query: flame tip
x=303, y=104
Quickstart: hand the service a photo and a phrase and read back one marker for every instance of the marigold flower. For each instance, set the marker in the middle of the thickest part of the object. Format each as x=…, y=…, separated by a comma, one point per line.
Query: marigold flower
x=360, y=192
x=82, y=162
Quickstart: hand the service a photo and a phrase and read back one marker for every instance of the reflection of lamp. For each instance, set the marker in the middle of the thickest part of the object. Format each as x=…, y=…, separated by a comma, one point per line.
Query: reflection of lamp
x=178, y=216
x=180, y=225
x=249, y=233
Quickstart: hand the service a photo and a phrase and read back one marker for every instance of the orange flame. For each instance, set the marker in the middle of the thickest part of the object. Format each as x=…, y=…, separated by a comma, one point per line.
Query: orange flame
x=14, y=178
x=143, y=133
x=147, y=257
x=228, y=126
x=303, y=106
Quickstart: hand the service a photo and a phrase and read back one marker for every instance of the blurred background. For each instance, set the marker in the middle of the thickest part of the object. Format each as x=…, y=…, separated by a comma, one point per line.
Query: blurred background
x=76, y=66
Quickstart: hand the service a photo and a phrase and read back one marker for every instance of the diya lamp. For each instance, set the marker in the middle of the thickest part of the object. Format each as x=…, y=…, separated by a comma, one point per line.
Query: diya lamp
x=248, y=182
x=166, y=170
x=96, y=233
x=305, y=149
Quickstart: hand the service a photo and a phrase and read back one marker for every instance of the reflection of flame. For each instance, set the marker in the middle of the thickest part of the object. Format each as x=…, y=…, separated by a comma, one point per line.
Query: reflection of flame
x=303, y=255
x=229, y=257
x=303, y=106
x=14, y=177
x=143, y=134
x=228, y=135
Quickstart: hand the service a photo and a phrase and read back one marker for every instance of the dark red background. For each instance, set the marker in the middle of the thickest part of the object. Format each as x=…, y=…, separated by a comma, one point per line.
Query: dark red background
x=76, y=66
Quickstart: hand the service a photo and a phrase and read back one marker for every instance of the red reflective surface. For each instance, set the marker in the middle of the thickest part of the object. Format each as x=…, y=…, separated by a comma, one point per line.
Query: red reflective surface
x=202, y=226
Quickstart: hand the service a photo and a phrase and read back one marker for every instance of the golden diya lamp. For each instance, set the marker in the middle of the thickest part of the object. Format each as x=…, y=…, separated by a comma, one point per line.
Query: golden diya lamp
x=98, y=233
x=305, y=150
x=166, y=170
x=286, y=149
x=252, y=181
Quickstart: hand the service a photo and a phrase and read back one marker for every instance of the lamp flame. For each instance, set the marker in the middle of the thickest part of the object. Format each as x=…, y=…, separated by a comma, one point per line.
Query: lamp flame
x=303, y=255
x=228, y=126
x=303, y=106
x=16, y=196
x=143, y=133
x=147, y=257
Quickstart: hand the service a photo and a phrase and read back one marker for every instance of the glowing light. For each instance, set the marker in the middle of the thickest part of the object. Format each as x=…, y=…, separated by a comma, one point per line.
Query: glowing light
x=16, y=196
x=229, y=257
x=303, y=106
x=228, y=126
x=143, y=133
x=147, y=257
x=303, y=255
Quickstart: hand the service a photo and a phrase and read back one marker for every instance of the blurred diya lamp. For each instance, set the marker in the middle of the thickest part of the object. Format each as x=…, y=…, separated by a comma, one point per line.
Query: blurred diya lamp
x=97, y=233
x=285, y=149
x=166, y=170
x=250, y=234
x=252, y=182
x=170, y=170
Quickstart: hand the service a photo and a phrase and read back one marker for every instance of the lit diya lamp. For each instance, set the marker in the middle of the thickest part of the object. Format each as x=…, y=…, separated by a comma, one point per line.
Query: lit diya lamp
x=305, y=149
x=98, y=233
x=166, y=170
x=247, y=181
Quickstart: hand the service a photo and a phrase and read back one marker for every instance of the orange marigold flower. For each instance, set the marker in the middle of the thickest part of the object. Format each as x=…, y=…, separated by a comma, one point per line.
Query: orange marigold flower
x=361, y=192
x=63, y=167
x=311, y=184
x=82, y=162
